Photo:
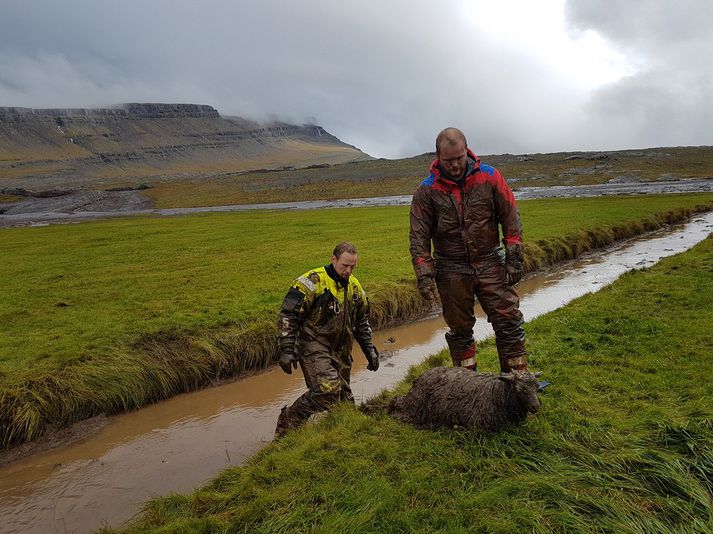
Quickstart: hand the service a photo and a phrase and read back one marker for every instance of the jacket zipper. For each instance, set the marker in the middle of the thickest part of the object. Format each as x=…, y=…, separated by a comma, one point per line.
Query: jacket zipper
x=345, y=310
x=461, y=219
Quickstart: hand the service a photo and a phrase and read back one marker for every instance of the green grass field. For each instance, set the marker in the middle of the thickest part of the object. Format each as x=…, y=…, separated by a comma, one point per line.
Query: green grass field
x=623, y=441
x=107, y=316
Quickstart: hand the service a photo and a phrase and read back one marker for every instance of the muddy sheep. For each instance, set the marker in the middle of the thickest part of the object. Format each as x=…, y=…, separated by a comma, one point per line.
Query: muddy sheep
x=456, y=396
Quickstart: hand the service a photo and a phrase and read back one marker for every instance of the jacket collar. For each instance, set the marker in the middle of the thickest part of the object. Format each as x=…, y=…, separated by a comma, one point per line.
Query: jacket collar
x=332, y=273
x=472, y=167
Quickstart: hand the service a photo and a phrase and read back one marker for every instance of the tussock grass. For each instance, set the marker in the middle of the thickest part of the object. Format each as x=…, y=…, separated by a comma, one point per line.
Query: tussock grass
x=160, y=366
x=396, y=302
x=549, y=251
x=157, y=307
x=623, y=442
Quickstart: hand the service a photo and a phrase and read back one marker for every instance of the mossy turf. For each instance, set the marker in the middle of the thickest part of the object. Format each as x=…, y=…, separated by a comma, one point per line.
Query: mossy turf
x=623, y=442
x=107, y=316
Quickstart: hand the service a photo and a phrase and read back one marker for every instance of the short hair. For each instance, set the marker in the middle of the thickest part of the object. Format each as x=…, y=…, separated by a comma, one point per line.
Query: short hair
x=450, y=136
x=343, y=247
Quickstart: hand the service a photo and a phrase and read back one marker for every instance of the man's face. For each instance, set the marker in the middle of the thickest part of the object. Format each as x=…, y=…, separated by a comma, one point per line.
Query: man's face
x=344, y=264
x=453, y=160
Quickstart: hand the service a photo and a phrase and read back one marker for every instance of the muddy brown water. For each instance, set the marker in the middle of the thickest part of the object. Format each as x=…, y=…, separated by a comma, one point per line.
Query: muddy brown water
x=179, y=444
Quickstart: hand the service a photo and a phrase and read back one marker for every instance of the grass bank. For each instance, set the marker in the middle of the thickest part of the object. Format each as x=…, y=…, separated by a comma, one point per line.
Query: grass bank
x=109, y=316
x=623, y=442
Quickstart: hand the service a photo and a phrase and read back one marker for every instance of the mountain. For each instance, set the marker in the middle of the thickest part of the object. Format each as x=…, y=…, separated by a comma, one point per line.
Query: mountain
x=136, y=144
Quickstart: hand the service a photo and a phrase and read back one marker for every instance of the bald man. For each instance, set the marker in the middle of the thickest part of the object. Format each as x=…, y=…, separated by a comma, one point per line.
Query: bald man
x=458, y=212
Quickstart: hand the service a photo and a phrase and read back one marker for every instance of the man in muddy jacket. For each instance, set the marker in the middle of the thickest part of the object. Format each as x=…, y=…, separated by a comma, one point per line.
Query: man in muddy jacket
x=322, y=313
x=459, y=208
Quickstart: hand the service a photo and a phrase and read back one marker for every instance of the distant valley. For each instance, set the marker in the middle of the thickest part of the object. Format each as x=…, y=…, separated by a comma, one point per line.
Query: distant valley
x=137, y=156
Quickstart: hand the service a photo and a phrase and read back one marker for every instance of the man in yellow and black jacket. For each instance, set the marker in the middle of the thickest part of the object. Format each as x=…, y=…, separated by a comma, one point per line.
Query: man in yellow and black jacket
x=323, y=312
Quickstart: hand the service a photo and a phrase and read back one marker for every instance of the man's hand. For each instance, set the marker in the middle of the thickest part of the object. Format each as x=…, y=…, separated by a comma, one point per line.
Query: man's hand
x=372, y=356
x=513, y=274
x=427, y=287
x=513, y=264
x=287, y=362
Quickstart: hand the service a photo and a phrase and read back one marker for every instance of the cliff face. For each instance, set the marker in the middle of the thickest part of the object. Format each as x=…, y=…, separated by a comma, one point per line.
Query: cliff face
x=132, y=110
x=140, y=142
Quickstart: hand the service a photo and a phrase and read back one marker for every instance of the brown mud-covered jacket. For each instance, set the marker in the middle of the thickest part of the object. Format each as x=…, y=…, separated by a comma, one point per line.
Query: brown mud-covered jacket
x=320, y=313
x=462, y=219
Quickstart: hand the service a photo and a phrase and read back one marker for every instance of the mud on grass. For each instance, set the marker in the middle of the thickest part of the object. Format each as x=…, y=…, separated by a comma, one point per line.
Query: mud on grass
x=181, y=351
x=623, y=442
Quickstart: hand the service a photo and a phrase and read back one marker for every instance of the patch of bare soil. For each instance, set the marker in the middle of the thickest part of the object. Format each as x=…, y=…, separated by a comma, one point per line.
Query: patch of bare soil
x=55, y=438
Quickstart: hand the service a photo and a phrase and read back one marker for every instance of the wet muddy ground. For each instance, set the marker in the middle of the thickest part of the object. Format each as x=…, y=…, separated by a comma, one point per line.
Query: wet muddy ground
x=179, y=444
x=88, y=205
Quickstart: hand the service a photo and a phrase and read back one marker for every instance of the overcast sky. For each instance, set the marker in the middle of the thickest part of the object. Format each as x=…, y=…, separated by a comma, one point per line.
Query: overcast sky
x=516, y=76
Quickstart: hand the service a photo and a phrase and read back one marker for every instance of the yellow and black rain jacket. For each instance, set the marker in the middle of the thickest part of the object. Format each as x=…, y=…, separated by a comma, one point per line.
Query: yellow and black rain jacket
x=323, y=312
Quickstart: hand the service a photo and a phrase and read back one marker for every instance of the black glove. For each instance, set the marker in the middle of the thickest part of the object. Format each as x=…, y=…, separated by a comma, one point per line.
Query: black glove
x=513, y=273
x=372, y=356
x=287, y=362
x=427, y=287
x=513, y=264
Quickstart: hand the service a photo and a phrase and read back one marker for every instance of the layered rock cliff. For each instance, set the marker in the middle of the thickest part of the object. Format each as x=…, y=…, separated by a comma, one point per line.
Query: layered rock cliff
x=44, y=149
x=131, y=110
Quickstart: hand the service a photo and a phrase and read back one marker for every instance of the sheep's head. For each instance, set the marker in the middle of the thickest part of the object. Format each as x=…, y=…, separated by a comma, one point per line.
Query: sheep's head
x=525, y=385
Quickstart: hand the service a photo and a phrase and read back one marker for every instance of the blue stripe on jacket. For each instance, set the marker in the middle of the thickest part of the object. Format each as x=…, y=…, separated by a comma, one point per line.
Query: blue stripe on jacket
x=429, y=181
x=487, y=169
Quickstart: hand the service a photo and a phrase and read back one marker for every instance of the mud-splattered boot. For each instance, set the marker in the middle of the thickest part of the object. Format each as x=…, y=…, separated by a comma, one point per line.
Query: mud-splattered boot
x=466, y=359
x=292, y=417
x=282, y=423
x=513, y=362
x=462, y=351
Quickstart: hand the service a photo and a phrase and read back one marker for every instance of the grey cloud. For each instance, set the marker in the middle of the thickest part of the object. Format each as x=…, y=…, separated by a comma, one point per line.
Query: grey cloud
x=648, y=110
x=384, y=76
x=670, y=100
x=654, y=24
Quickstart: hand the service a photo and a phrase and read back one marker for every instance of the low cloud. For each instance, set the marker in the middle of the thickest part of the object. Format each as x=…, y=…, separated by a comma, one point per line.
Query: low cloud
x=384, y=76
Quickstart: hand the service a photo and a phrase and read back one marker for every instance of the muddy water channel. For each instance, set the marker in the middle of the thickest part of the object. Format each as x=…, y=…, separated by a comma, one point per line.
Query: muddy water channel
x=180, y=443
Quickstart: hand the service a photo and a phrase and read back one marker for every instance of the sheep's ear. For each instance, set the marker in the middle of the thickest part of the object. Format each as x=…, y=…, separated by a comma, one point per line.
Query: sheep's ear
x=507, y=377
x=538, y=373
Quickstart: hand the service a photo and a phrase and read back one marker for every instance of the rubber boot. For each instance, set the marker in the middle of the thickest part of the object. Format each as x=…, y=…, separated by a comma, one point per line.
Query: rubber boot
x=466, y=359
x=282, y=423
x=291, y=417
x=513, y=363
x=462, y=349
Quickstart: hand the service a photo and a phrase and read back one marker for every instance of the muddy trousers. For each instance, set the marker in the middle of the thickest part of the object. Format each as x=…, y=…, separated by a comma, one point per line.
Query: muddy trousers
x=327, y=379
x=501, y=305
